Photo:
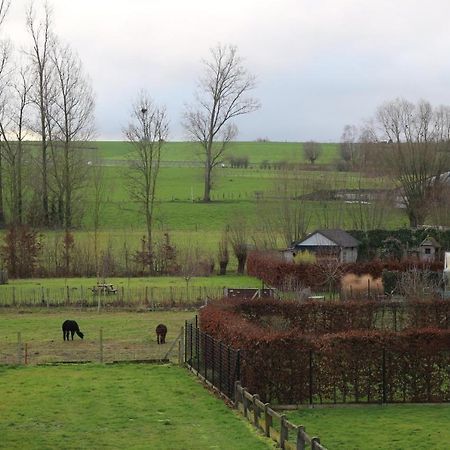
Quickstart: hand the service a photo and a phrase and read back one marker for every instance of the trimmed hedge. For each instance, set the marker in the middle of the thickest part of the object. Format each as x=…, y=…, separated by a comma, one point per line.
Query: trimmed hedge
x=341, y=347
x=278, y=273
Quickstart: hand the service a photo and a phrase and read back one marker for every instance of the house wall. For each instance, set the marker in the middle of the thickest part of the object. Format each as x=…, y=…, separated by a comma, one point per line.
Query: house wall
x=429, y=255
x=349, y=255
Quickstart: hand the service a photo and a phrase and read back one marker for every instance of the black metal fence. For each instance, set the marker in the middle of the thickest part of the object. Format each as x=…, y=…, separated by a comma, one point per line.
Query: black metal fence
x=216, y=362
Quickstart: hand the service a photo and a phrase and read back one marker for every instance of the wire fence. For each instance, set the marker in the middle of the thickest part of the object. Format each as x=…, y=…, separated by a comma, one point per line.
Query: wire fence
x=150, y=297
x=102, y=348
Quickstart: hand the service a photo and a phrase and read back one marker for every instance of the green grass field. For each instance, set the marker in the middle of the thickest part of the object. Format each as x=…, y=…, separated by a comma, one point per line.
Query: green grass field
x=126, y=335
x=116, y=407
x=396, y=427
x=257, y=152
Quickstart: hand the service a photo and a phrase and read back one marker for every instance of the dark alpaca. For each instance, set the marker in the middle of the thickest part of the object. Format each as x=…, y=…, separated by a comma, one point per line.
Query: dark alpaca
x=161, y=331
x=70, y=326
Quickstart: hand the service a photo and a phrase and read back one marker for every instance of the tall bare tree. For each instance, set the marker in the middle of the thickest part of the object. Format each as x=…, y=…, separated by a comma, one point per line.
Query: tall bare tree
x=42, y=38
x=13, y=131
x=5, y=51
x=222, y=95
x=349, y=144
x=147, y=132
x=72, y=116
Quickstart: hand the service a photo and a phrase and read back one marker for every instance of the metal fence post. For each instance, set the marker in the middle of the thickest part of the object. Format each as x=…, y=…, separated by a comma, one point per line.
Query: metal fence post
x=383, y=373
x=310, y=377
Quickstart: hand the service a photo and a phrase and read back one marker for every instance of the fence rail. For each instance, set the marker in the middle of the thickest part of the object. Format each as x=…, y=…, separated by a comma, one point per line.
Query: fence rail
x=152, y=297
x=273, y=424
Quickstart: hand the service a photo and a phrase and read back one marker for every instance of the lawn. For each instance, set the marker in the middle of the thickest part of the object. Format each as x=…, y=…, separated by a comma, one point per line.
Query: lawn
x=395, y=427
x=116, y=407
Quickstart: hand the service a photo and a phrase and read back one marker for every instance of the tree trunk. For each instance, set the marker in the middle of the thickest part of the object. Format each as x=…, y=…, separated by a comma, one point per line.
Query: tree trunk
x=2, y=212
x=207, y=193
x=241, y=263
x=223, y=267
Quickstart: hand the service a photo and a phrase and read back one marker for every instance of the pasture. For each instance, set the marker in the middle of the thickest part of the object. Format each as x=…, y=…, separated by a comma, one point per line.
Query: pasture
x=121, y=406
x=400, y=427
x=125, y=335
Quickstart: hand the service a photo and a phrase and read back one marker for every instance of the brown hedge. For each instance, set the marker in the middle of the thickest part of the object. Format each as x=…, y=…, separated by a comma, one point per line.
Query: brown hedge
x=361, y=364
x=277, y=273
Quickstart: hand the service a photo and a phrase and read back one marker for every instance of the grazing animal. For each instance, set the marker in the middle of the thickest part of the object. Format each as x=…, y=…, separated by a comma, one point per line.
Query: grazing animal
x=70, y=326
x=161, y=331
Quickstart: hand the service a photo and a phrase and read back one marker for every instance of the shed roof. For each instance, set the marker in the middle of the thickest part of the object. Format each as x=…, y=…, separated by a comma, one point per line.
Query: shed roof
x=430, y=240
x=338, y=236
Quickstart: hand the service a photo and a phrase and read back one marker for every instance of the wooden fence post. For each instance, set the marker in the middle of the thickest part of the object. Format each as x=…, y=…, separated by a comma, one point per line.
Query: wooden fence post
x=283, y=431
x=101, y=345
x=244, y=402
x=255, y=411
x=237, y=385
x=267, y=419
x=19, y=347
x=181, y=347
x=301, y=444
x=314, y=441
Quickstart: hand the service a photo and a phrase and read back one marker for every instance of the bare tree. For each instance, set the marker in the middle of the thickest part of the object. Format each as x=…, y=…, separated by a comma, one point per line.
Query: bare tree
x=349, y=144
x=416, y=152
x=72, y=116
x=42, y=43
x=147, y=132
x=5, y=51
x=312, y=150
x=221, y=97
x=13, y=131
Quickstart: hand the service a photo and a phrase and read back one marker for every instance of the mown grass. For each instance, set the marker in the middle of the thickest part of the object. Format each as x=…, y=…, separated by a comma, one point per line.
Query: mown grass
x=399, y=427
x=115, y=407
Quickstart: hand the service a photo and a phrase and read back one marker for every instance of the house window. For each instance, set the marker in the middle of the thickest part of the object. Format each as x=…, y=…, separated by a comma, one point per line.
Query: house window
x=427, y=251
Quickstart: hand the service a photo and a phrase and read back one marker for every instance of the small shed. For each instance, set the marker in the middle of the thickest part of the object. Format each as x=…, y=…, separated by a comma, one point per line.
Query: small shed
x=329, y=243
x=429, y=249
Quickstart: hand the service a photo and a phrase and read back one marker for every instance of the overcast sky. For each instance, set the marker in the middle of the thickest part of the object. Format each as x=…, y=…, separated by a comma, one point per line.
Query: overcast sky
x=320, y=64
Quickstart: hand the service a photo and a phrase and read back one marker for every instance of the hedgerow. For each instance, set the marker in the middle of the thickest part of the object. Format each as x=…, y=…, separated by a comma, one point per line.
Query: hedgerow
x=350, y=351
x=277, y=273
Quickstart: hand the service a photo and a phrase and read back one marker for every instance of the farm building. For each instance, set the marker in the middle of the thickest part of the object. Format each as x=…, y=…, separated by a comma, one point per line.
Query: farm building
x=325, y=244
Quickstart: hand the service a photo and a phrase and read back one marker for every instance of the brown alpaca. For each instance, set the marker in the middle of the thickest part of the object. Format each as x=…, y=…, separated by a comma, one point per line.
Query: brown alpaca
x=161, y=331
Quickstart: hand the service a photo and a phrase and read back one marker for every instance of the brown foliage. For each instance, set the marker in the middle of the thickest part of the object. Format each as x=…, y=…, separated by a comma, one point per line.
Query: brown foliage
x=340, y=345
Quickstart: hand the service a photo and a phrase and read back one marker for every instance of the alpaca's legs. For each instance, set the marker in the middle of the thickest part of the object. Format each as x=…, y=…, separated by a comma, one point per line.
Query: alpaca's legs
x=72, y=333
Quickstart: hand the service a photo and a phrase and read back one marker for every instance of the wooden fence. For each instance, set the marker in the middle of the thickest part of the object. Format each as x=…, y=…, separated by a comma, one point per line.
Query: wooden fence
x=100, y=348
x=273, y=424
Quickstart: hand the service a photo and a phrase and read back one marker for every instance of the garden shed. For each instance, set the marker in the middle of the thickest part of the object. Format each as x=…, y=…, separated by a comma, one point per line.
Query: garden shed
x=429, y=249
x=329, y=243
